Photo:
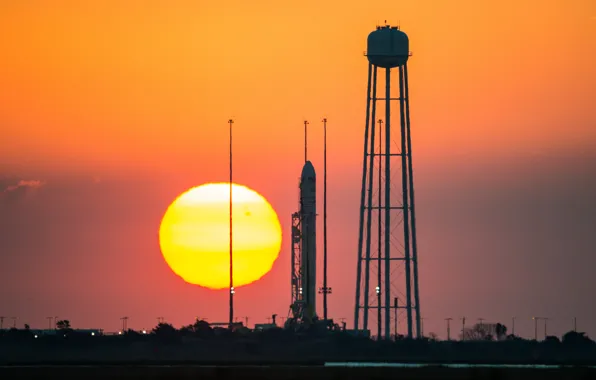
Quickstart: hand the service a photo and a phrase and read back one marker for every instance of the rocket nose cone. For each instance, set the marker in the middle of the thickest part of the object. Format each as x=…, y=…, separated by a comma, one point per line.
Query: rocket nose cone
x=308, y=170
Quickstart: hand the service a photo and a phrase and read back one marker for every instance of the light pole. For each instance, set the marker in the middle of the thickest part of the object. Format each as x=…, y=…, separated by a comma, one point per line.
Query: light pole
x=448, y=328
x=124, y=324
x=325, y=289
x=463, y=328
x=231, y=321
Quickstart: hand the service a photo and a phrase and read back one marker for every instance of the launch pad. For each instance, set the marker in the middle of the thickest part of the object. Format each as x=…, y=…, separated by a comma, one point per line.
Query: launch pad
x=382, y=254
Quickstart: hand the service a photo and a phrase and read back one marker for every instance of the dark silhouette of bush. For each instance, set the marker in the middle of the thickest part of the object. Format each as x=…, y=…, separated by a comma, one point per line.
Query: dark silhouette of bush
x=573, y=338
x=318, y=342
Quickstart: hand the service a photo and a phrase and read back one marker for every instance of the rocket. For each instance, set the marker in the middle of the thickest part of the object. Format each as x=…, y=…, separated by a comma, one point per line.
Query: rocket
x=308, y=218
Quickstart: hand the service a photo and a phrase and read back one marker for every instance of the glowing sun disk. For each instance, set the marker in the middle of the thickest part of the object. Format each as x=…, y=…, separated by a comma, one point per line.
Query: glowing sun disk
x=194, y=235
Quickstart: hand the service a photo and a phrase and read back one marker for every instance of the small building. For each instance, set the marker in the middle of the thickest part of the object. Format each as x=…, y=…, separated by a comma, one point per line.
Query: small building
x=264, y=326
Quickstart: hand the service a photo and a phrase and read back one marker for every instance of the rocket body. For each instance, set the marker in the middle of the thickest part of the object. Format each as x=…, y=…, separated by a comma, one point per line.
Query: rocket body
x=308, y=217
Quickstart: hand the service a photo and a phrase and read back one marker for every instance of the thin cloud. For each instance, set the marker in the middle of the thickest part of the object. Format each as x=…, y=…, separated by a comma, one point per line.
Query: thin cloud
x=26, y=184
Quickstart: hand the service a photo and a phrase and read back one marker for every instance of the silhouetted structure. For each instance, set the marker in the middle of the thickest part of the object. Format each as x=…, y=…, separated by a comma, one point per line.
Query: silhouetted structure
x=231, y=319
x=304, y=247
x=382, y=252
x=325, y=290
x=206, y=343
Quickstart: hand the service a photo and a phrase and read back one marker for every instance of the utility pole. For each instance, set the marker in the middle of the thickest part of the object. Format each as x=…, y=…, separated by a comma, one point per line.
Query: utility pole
x=14, y=322
x=124, y=324
x=49, y=322
x=535, y=327
x=231, y=319
x=395, y=316
x=481, y=320
x=463, y=328
x=575, y=324
x=2, y=322
x=513, y=326
x=448, y=328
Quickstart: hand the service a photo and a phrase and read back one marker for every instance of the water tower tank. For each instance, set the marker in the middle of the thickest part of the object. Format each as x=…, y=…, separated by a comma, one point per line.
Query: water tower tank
x=388, y=47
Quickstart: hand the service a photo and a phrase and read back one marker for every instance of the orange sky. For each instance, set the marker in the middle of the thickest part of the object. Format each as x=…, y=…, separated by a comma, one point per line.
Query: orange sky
x=118, y=89
x=116, y=80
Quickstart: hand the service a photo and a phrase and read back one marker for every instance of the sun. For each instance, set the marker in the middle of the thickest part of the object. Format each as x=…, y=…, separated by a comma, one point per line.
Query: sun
x=194, y=235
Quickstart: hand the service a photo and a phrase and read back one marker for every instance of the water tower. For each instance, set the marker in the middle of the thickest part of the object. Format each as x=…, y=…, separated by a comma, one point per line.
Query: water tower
x=387, y=277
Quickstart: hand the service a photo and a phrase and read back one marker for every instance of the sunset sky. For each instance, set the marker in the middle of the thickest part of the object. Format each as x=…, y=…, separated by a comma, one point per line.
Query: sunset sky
x=110, y=109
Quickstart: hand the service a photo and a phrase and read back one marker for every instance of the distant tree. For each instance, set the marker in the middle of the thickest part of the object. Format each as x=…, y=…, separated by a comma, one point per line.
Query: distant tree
x=130, y=333
x=500, y=331
x=165, y=330
x=513, y=337
x=201, y=326
x=27, y=327
x=576, y=338
x=63, y=324
x=552, y=339
x=480, y=331
x=187, y=330
x=433, y=337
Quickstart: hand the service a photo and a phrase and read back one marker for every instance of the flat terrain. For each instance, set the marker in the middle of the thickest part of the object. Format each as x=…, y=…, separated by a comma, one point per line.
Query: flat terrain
x=286, y=372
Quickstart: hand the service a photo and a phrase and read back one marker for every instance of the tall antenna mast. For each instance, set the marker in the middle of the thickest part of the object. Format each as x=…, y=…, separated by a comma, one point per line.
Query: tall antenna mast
x=305, y=139
x=325, y=288
x=231, y=320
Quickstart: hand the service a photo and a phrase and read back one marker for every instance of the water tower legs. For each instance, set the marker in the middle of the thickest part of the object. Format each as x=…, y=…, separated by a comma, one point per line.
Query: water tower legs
x=391, y=250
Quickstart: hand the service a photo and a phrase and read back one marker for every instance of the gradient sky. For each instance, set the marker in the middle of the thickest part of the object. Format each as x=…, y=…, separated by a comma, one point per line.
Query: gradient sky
x=110, y=109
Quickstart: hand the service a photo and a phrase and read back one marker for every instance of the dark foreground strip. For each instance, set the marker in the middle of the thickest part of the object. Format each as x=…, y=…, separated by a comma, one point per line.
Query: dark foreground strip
x=340, y=371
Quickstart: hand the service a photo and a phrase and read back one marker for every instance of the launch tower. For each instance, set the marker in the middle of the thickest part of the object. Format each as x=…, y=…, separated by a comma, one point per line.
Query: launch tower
x=387, y=251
